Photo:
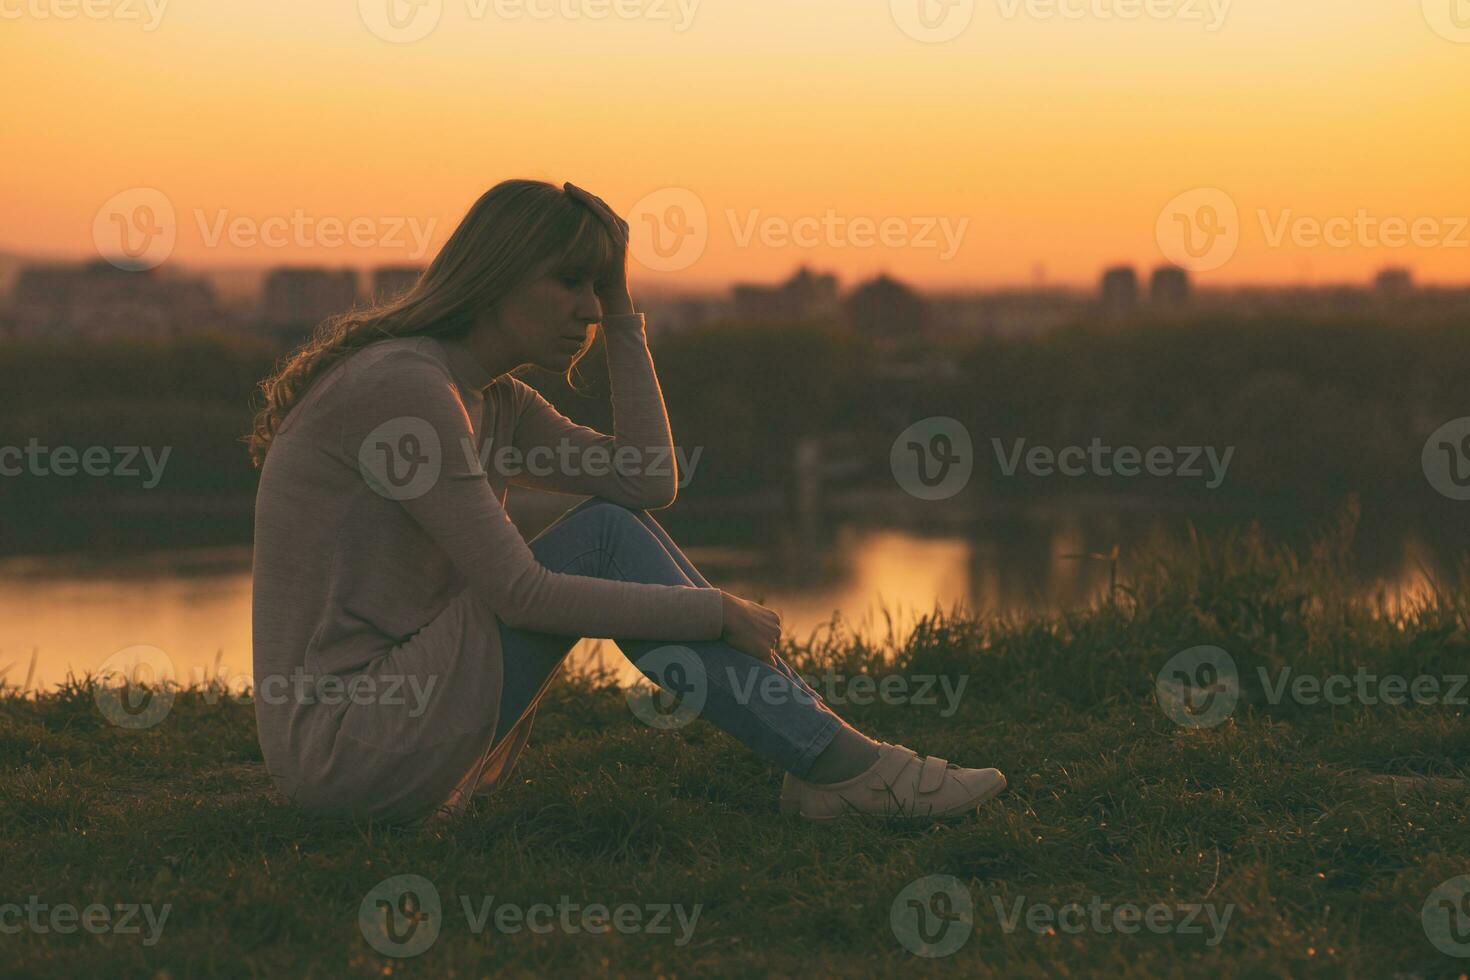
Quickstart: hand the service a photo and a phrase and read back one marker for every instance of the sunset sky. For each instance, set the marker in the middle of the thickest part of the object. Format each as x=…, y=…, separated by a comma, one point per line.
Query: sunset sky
x=1050, y=141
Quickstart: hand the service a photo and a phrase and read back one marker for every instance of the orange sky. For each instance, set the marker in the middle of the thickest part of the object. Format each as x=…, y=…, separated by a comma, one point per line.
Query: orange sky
x=1035, y=139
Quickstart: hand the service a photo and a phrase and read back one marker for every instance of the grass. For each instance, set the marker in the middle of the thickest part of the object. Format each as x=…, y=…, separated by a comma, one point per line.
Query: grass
x=1321, y=829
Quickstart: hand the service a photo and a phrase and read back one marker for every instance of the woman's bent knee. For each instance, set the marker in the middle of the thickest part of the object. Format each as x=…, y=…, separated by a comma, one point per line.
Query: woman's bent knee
x=607, y=503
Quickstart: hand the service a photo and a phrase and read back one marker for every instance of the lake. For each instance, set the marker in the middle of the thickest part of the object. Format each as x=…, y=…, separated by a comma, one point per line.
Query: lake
x=70, y=613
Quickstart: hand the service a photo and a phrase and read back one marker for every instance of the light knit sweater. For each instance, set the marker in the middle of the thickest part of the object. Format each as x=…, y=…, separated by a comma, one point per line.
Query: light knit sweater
x=384, y=561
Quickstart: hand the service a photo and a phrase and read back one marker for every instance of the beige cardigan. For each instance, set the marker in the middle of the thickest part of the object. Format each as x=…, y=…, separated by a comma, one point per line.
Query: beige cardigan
x=384, y=561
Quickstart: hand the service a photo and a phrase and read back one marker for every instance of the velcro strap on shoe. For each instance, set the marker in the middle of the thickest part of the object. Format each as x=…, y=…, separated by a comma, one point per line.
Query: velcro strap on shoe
x=931, y=776
x=892, y=761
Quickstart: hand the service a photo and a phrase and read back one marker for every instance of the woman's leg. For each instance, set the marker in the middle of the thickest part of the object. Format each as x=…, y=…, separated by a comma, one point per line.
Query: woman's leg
x=531, y=659
x=765, y=708
x=695, y=578
x=850, y=751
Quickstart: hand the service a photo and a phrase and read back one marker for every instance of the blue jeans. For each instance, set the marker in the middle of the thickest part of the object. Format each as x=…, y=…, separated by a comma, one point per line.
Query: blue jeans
x=769, y=709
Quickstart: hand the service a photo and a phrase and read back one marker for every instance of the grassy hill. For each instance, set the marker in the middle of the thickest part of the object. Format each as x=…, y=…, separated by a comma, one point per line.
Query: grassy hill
x=1285, y=836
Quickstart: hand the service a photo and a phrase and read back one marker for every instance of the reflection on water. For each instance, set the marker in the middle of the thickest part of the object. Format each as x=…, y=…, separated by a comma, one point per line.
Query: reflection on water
x=72, y=612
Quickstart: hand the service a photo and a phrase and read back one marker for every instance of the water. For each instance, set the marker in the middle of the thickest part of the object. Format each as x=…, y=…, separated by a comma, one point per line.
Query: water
x=71, y=613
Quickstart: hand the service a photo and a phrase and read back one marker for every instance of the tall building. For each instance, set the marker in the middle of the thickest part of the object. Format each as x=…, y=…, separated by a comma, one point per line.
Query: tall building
x=297, y=298
x=1119, y=291
x=97, y=300
x=392, y=280
x=805, y=295
x=1169, y=287
x=886, y=309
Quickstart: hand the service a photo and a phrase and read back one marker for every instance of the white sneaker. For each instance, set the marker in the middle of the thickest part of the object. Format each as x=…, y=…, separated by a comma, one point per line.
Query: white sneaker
x=899, y=784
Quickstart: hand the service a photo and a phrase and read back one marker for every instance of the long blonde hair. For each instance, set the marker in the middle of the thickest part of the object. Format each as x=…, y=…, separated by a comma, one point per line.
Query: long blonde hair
x=511, y=231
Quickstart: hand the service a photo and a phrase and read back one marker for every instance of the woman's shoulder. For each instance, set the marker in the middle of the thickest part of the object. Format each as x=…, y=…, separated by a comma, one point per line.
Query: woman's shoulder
x=397, y=349
x=392, y=363
x=378, y=371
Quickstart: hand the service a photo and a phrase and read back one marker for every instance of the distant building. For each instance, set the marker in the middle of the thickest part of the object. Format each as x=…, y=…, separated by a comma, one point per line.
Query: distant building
x=805, y=295
x=1169, y=287
x=1394, y=283
x=392, y=280
x=886, y=309
x=97, y=299
x=298, y=298
x=1119, y=291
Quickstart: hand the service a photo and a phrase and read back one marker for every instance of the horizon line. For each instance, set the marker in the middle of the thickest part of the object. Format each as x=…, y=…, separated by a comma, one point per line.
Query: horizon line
x=656, y=286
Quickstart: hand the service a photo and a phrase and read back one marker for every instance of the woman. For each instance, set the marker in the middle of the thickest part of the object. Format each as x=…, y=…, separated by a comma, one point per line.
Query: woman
x=404, y=631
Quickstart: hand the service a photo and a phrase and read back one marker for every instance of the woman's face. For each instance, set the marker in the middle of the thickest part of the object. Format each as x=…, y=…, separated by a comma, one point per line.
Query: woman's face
x=547, y=320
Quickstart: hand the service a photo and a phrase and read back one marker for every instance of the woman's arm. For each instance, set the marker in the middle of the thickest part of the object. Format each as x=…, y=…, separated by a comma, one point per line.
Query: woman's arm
x=635, y=466
x=407, y=432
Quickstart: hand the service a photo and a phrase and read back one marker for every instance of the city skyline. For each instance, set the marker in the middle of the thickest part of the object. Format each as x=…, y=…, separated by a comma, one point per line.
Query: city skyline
x=12, y=261
x=97, y=299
